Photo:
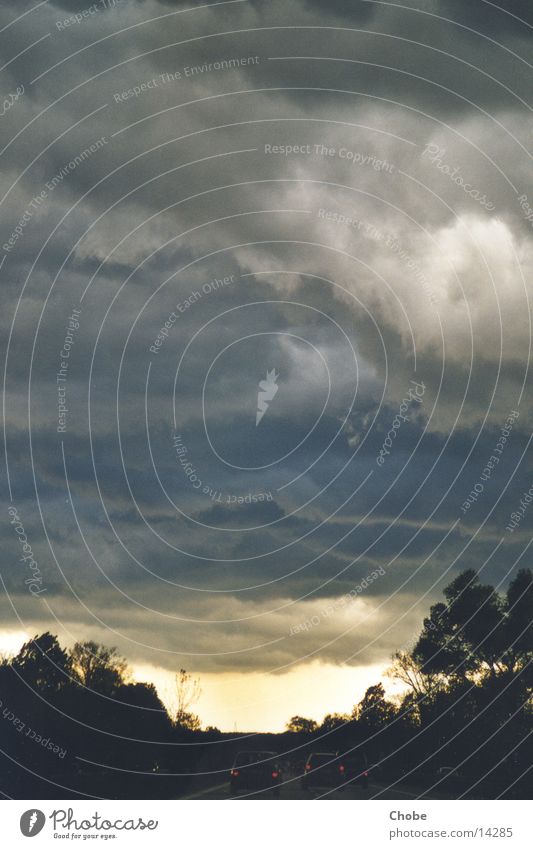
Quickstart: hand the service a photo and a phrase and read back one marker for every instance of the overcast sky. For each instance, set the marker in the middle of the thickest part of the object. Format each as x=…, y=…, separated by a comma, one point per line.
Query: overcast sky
x=193, y=196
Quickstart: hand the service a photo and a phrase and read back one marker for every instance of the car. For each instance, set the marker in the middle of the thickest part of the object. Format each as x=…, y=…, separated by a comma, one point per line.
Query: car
x=321, y=770
x=353, y=769
x=256, y=771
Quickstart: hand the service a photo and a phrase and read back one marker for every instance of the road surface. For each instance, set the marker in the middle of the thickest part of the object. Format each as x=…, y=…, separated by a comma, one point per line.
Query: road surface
x=292, y=790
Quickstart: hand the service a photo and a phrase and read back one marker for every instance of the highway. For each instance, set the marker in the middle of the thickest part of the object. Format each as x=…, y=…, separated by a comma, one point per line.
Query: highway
x=292, y=790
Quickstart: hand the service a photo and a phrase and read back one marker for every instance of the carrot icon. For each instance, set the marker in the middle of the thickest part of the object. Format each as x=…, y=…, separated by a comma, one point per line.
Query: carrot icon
x=267, y=391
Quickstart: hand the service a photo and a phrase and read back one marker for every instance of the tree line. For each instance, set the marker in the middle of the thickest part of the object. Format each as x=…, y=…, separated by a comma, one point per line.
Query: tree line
x=468, y=694
x=74, y=723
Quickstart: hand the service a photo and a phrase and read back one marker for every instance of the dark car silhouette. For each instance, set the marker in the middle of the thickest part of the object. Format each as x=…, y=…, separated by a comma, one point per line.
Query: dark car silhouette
x=321, y=770
x=353, y=769
x=256, y=771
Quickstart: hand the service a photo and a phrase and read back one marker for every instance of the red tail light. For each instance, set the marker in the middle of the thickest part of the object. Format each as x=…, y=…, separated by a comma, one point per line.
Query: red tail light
x=341, y=768
x=307, y=767
x=365, y=774
x=234, y=772
x=275, y=775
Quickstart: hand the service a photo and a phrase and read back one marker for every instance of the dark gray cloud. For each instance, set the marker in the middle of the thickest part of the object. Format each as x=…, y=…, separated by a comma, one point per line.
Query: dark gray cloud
x=358, y=229
x=513, y=16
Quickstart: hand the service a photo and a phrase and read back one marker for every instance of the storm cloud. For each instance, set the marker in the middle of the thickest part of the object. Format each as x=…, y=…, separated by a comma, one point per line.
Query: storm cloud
x=326, y=203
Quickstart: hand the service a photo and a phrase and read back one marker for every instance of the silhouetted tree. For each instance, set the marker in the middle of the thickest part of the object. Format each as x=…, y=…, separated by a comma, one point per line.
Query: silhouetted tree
x=470, y=677
x=469, y=700
x=97, y=667
x=374, y=711
x=477, y=632
x=43, y=664
x=188, y=692
x=332, y=721
x=518, y=631
x=301, y=725
x=406, y=669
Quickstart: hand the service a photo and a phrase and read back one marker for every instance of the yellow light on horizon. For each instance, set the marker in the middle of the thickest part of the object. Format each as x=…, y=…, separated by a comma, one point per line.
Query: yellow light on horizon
x=255, y=701
x=12, y=641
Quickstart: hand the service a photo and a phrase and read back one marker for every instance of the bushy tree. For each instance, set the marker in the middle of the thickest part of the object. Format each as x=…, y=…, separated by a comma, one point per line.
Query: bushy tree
x=478, y=632
x=43, y=664
x=332, y=721
x=374, y=711
x=301, y=725
x=97, y=667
